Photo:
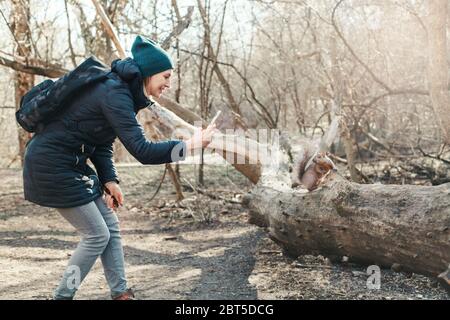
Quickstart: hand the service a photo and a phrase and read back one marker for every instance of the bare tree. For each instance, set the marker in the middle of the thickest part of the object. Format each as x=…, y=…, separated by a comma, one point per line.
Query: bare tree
x=437, y=63
x=23, y=81
x=213, y=54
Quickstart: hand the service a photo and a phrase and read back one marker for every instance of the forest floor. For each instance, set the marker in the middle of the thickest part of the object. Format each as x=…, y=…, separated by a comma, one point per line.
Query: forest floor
x=172, y=252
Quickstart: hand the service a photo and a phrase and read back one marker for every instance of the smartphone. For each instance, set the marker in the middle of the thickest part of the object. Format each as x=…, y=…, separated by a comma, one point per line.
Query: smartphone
x=213, y=121
x=115, y=202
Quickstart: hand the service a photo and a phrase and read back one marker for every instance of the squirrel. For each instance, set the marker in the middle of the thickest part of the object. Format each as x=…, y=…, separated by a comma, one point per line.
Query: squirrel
x=311, y=168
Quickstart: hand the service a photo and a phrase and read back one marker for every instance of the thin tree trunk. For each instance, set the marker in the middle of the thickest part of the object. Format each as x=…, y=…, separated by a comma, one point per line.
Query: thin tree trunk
x=218, y=71
x=23, y=81
x=350, y=152
x=178, y=73
x=176, y=181
x=345, y=132
x=438, y=65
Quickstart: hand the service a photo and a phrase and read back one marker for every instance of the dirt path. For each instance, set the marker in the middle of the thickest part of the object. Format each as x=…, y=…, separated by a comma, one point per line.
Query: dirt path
x=170, y=256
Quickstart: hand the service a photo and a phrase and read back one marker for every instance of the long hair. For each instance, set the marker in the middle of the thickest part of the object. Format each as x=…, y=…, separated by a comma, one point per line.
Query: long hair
x=145, y=83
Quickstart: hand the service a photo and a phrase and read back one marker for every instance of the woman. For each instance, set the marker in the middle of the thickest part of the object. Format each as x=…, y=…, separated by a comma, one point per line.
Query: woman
x=56, y=173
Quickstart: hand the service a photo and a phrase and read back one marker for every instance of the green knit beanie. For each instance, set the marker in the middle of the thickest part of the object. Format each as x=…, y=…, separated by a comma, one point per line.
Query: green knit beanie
x=150, y=57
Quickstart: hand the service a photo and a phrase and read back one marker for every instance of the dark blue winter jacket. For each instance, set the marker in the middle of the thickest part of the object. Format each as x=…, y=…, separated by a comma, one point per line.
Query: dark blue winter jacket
x=56, y=173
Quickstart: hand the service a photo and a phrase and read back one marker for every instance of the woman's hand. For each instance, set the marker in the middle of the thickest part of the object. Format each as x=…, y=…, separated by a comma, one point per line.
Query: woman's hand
x=113, y=196
x=201, y=138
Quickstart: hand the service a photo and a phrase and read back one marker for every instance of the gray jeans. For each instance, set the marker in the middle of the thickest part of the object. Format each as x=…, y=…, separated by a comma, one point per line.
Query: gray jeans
x=99, y=228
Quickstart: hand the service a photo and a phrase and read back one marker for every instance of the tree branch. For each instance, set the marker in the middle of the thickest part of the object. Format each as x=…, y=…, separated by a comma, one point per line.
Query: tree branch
x=41, y=69
x=179, y=28
x=341, y=36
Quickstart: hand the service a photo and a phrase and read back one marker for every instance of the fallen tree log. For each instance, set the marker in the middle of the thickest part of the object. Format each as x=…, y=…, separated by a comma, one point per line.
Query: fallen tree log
x=371, y=224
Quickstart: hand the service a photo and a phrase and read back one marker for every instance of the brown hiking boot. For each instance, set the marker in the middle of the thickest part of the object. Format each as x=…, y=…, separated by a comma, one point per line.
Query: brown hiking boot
x=127, y=295
x=444, y=280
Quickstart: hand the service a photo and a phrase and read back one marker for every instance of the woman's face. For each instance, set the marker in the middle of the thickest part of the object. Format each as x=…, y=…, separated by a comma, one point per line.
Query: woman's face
x=158, y=83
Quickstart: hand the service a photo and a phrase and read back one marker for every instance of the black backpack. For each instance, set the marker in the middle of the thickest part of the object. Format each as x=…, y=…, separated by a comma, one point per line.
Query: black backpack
x=45, y=101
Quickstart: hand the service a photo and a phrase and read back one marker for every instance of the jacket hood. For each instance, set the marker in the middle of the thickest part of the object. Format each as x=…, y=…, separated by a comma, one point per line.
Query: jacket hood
x=128, y=70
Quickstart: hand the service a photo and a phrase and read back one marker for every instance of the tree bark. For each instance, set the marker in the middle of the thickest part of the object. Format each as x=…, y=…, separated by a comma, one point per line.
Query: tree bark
x=438, y=65
x=23, y=81
x=350, y=152
x=370, y=224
